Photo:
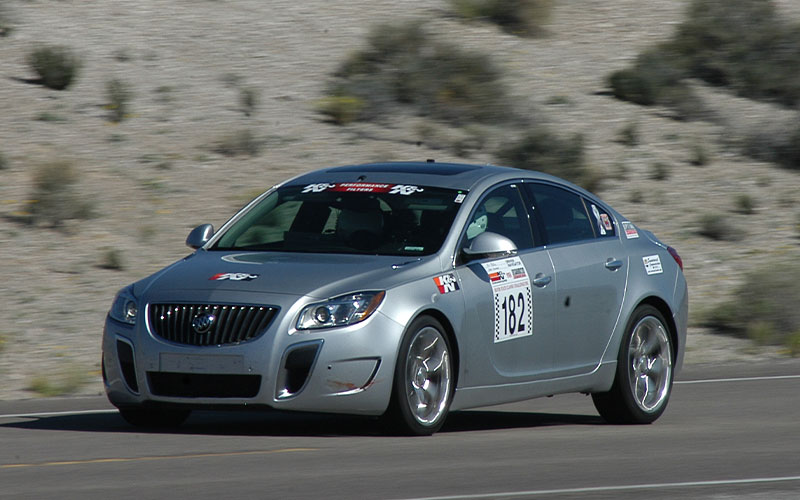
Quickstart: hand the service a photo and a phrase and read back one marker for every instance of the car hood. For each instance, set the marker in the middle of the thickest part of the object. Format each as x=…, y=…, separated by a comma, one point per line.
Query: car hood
x=313, y=275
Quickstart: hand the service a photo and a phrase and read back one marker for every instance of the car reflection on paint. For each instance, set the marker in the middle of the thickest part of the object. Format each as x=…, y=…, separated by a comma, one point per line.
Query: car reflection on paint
x=404, y=290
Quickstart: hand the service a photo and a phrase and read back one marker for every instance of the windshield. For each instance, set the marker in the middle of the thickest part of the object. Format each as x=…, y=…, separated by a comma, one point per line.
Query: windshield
x=353, y=217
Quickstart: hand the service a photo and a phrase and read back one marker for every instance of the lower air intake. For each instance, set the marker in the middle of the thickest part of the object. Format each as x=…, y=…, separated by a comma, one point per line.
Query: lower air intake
x=203, y=385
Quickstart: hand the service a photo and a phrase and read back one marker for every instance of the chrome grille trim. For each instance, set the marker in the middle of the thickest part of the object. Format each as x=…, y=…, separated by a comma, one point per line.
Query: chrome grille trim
x=234, y=323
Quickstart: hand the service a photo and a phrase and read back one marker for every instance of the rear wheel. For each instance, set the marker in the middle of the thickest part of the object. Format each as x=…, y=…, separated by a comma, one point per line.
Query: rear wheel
x=154, y=418
x=643, y=380
x=423, y=379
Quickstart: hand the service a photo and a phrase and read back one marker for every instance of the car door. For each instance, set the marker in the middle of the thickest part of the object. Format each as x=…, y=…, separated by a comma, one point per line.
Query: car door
x=591, y=271
x=510, y=300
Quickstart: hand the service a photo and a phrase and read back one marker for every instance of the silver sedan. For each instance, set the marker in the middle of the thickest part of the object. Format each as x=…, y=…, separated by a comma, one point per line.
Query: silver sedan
x=404, y=290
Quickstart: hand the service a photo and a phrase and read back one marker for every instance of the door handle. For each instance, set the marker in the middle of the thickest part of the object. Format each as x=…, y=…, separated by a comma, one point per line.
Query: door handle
x=542, y=280
x=613, y=264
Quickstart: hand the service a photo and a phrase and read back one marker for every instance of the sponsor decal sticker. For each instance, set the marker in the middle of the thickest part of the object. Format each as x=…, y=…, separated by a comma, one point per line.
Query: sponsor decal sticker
x=513, y=302
x=446, y=283
x=630, y=230
x=652, y=264
x=233, y=277
x=317, y=188
x=497, y=277
x=363, y=187
x=596, y=213
x=606, y=222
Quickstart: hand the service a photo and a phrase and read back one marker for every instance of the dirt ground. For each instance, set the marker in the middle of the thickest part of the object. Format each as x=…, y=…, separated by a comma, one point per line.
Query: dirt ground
x=155, y=175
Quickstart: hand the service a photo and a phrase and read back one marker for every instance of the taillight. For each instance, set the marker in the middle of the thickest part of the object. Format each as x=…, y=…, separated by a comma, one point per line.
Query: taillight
x=675, y=256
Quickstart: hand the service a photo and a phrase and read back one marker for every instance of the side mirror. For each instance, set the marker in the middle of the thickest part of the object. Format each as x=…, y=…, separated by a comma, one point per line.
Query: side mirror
x=199, y=236
x=489, y=245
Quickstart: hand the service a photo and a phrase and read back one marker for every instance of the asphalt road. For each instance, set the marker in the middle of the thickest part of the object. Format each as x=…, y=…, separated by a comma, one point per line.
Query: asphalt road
x=730, y=432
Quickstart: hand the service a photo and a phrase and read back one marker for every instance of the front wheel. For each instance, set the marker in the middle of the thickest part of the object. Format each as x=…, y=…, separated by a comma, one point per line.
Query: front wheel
x=423, y=379
x=643, y=380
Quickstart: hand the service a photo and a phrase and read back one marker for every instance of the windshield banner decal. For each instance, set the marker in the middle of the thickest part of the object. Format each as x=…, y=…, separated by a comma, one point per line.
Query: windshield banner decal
x=363, y=187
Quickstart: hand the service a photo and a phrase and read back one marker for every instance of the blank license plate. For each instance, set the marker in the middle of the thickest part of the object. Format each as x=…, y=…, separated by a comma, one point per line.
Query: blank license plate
x=201, y=363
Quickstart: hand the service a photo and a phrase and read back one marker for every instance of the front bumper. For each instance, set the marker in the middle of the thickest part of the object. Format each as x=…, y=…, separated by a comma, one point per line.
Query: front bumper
x=341, y=370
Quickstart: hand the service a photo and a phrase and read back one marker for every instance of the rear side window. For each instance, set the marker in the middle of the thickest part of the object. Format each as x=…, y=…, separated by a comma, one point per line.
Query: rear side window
x=562, y=213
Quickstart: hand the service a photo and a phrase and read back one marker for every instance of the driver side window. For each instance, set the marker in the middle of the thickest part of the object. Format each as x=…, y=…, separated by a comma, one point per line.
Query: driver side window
x=501, y=212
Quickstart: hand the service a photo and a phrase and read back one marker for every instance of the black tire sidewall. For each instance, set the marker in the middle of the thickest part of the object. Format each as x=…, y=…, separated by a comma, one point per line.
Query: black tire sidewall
x=399, y=409
x=623, y=367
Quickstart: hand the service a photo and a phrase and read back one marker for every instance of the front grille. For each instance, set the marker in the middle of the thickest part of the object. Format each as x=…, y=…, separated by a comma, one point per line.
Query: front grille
x=209, y=324
x=201, y=385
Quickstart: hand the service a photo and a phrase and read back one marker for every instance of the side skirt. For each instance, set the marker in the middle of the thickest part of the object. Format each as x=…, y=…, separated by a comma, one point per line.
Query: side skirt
x=599, y=380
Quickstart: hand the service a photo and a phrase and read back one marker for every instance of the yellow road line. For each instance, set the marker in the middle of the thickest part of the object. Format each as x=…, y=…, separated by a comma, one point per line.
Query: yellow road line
x=164, y=457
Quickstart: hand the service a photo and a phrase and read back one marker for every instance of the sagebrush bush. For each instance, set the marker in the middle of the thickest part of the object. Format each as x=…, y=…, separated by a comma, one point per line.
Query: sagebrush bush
x=718, y=227
x=699, y=155
x=111, y=259
x=119, y=95
x=68, y=381
x=764, y=307
x=5, y=22
x=651, y=79
x=777, y=145
x=660, y=172
x=519, y=17
x=745, y=204
x=629, y=134
x=241, y=143
x=741, y=44
x=541, y=150
x=340, y=109
x=402, y=65
x=55, y=197
x=56, y=65
x=248, y=100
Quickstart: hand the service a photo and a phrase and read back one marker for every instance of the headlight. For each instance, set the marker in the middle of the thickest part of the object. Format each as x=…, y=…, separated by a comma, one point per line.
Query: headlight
x=340, y=311
x=124, y=308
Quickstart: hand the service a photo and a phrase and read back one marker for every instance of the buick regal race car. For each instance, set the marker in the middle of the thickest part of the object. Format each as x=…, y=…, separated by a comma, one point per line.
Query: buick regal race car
x=404, y=290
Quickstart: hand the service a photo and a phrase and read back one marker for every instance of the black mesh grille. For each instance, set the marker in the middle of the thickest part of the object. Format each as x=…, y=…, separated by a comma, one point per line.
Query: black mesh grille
x=208, y=324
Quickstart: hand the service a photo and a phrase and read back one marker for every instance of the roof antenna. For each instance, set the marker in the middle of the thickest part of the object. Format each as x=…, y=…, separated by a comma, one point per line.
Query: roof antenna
x=430, y=160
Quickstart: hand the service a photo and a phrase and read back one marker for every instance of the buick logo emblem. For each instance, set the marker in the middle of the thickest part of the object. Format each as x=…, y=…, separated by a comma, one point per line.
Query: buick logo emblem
x=202, y=323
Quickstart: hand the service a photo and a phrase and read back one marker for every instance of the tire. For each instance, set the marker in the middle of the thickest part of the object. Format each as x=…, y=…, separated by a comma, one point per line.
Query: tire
x=154, y=418
x=643, y=380
x=423, y=379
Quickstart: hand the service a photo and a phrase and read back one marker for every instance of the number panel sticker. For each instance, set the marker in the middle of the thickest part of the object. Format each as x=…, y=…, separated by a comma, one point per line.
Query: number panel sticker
x=513, y=301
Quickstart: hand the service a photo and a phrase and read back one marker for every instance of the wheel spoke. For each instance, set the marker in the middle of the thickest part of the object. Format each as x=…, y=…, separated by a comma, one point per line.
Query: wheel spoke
x=648, y=352
x=428, y=375
x=656, y=367
x=642, y=388
x=436, y=362
x=651, y=344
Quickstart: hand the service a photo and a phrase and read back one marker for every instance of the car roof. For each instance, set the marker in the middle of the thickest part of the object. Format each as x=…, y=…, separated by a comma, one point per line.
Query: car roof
x=423, y=173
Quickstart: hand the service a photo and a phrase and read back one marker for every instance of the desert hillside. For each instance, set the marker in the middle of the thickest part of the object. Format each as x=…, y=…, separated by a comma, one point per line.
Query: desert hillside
x=171, y=162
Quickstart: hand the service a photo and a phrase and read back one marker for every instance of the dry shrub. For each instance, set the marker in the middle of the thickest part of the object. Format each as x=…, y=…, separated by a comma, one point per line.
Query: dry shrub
x=764, y=307
x=519, y=17
x=403, y=66
x=55, y=197
x=56, y=65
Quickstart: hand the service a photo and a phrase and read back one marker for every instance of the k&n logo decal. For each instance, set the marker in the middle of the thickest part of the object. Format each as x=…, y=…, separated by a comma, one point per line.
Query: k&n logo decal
x=446, y=283
x=234, y=277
